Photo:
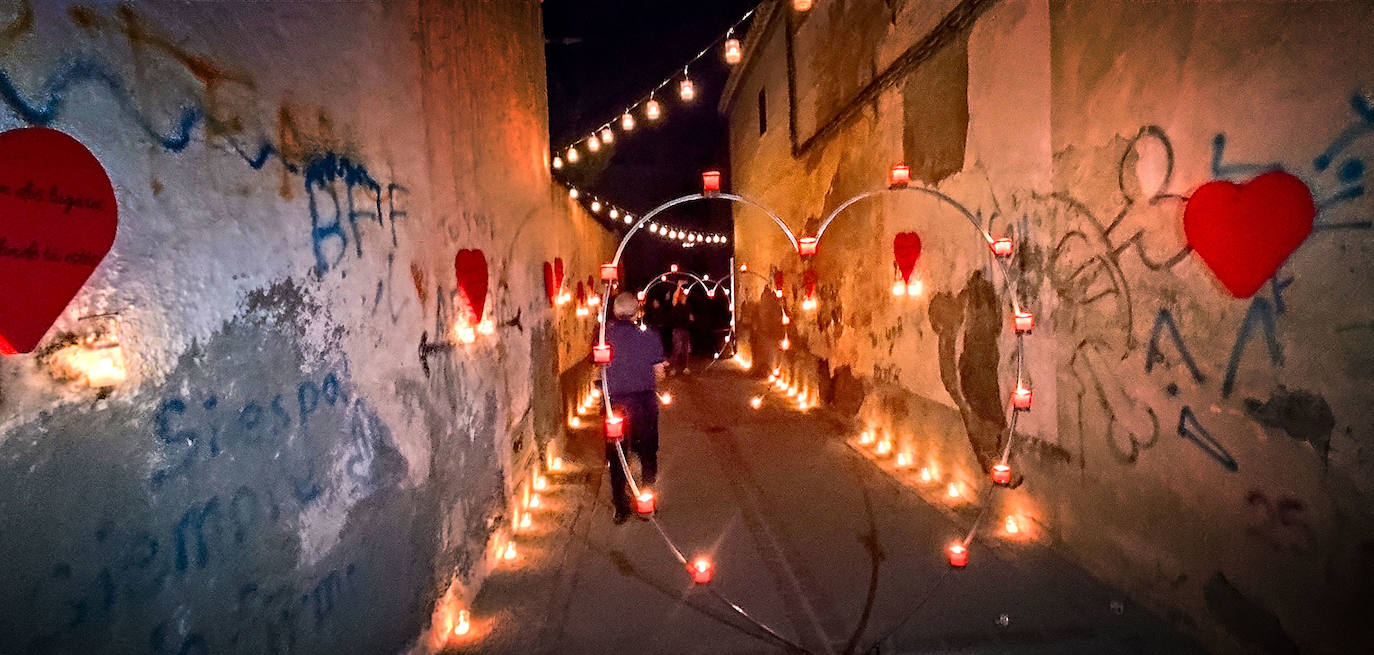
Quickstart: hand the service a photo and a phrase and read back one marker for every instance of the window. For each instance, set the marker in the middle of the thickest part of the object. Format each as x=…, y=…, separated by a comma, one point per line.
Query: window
x=763, y=112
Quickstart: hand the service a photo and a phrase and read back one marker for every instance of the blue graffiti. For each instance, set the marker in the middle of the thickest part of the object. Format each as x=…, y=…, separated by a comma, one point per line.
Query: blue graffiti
x=1191, y=429
x=1165, y=320
x=1262, y=314
x=76, y=72
x=320, y=171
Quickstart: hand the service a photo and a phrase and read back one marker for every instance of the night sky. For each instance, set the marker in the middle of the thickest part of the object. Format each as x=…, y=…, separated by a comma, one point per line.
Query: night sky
x=604, y=55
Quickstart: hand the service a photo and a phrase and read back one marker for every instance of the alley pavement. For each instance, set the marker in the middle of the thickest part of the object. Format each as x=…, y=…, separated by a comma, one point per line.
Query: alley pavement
x=807, y=536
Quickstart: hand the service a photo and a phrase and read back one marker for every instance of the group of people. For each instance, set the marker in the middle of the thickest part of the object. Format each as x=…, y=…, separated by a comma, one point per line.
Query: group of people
x=632, y=378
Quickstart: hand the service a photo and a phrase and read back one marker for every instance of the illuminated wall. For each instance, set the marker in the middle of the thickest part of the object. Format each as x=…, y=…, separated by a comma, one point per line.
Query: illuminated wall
x=299, y=458
x=1208, y=452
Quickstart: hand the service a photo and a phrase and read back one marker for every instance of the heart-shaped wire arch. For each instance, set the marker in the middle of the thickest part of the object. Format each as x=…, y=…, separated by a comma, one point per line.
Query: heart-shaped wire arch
x=1002, y=267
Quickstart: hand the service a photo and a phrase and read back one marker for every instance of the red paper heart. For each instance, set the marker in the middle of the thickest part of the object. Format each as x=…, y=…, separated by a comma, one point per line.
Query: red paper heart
x=471, y=269
x=809, y=282
x=906, y=249
x=581, y=293
x=558, y=272
x=550, y=288
x=777, y=279
x=1244, y=232
x=58, y=218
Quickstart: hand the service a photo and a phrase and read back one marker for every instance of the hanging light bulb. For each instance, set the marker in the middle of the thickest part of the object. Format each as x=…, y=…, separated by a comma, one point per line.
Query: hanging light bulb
x=756, y=402
x=615, y=213
x=652, y=110
x=629, y=219
x=627, y=121
x=607, y=136
x=572, y=155
x=596, y=205
x=593, y=144
x=685, y=89
x=572, y=193
x=557, y=162
x=733, y=53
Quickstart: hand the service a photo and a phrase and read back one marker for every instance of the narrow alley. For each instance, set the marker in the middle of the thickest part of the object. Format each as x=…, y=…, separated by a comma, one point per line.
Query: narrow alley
x=1016, y=327
x=807, y=536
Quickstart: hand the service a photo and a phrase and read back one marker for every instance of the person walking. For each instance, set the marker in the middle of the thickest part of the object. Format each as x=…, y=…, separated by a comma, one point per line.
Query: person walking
x=680, y=317
x=632, y=379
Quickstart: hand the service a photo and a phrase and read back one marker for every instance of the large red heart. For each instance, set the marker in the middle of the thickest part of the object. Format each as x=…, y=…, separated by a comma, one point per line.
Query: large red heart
x=471, y=269
x=906, y=249
x=550, y=288
x=1244, y=232
x=58, y=218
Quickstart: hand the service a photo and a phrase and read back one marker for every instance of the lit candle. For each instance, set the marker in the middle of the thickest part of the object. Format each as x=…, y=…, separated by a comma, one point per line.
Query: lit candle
x=1001, y=246
x=866, y=437
x=557, y=464
x=710, y=182
x=1025, y=322
x=665, y=398
x=899, y=177
x=644, y=503
x=926, y=475
x=1011, y=526
x=615, y=427
x=652, y=110
x=464, y=624
x=572, y=155
x=756, y=402
x=958, y=555
x=1001, y=474
x=899, y=288
x=914, y=288
x=884, y=447
x=903, y=460
x=953, y=490
x=1021, y=398
x=509, y=552
x=557, y=162
x=540, y=483
x=607, y=136
x=784, y=344
x=593, y=143
x=627, y=121
x=701, y=570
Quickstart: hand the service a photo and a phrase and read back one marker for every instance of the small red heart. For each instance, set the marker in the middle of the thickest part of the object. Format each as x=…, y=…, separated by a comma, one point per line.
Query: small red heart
x=58, y=218
x=1244, y=232
x=558, y=272
x=906, y=249
x=581, y=293
x=471, y=269
x=550, y=288
x=777, y=279
x=809, y=282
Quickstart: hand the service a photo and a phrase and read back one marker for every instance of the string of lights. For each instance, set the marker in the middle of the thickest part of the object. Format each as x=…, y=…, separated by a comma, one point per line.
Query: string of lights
x=731, y=51
x=621, y=218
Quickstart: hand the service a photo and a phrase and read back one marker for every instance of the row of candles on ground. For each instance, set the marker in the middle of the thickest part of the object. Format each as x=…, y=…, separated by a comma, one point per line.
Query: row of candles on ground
x=1012, y=525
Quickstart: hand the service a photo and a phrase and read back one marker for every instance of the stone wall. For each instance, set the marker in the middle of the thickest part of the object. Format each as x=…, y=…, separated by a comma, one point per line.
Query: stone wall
x=1209, y=453
x=301, y=458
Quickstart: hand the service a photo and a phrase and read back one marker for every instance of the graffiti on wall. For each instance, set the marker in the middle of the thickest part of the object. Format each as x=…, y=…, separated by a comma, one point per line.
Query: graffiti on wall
x=343, y=195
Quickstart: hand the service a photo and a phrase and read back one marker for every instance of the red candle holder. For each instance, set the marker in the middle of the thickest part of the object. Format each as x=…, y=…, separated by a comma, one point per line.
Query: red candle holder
x=710, y=182
x=701, y=570
x=1021, y=398
x=958, y=555
x=615, y=427
x=601, y=354
x=1001, y=246
x=899, y=176
x=1024, y=322
x=1001, y=474
x=644, y=503
x=609, y=272
x=807, y=246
